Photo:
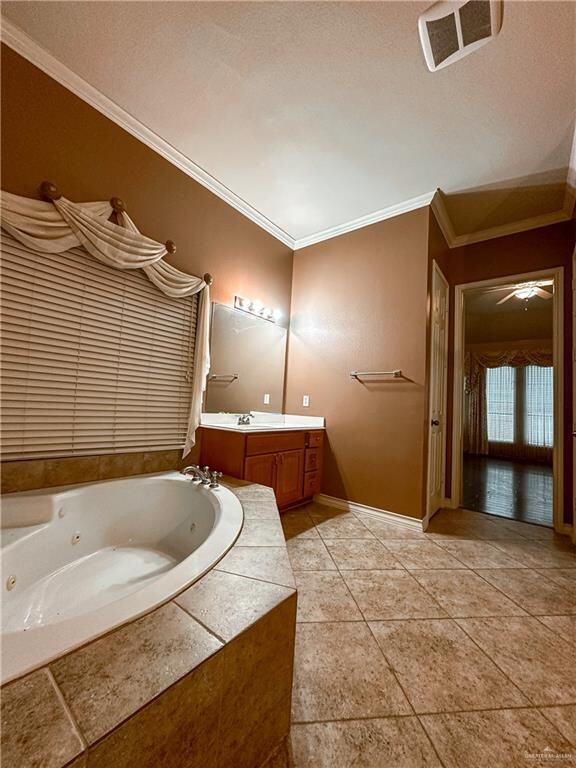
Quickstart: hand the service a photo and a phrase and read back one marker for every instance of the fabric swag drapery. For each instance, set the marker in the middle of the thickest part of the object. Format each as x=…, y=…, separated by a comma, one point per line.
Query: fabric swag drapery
x=476, y=362
x=59, y=225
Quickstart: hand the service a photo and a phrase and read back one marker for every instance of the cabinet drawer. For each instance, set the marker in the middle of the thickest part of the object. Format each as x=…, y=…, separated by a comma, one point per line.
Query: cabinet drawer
x=313, y=459
x=314, y=439
x=274, y=442
x=311, y=484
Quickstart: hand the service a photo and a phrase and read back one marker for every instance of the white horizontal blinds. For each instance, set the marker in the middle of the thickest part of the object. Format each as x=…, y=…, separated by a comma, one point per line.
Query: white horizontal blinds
x=500, y=404
x=94, y=359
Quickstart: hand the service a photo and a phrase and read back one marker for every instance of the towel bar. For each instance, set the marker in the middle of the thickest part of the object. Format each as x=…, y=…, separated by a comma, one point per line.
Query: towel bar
x=358, y=374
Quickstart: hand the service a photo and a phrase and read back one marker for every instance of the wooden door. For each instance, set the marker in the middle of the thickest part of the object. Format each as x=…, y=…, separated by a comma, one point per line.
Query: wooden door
x=261, y=469
x=289, y=477
x=437, y=403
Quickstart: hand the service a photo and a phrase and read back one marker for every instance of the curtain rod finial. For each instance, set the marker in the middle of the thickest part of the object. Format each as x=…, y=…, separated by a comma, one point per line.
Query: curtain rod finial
x=49, y=191
x=117, y=205
x=208, y=279
x=170, y=246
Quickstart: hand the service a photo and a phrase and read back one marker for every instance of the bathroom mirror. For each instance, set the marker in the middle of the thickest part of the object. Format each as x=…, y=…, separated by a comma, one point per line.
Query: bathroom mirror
x=248, y=356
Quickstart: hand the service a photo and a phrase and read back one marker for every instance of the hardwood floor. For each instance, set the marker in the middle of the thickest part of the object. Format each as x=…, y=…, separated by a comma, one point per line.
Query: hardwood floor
x=508, y=489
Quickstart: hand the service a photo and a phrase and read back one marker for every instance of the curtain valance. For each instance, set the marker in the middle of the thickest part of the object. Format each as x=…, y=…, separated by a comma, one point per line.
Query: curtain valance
x=475, y=360
x=60, y=225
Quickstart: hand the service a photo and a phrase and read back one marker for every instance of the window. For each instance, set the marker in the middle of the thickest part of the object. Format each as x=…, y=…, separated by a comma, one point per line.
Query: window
x=538, y=406
x=500, y=404
x=520, y=405
x=94, y=359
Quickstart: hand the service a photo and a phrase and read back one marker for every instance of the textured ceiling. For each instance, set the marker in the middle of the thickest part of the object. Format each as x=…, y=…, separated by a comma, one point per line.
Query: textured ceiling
x=316, y=114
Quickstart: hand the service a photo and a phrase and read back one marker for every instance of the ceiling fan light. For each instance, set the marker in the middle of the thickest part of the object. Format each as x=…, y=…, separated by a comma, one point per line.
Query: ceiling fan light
x=525, y=293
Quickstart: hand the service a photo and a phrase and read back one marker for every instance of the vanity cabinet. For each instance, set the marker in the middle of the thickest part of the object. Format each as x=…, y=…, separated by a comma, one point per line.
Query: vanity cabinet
x=288, y=461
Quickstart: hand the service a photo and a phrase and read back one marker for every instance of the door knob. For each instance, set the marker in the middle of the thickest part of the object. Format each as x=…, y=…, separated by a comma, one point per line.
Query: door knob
x=435, y=423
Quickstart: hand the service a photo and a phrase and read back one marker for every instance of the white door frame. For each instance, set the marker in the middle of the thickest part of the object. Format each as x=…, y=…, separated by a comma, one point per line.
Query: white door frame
x=427, y=517
x=557, y=273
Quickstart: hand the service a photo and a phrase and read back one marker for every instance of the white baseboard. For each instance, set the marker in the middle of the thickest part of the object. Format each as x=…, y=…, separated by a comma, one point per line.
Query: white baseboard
x=381, y=514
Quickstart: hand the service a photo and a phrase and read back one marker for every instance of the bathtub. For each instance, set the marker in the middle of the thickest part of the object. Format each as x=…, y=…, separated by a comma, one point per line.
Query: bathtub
x=78, y=561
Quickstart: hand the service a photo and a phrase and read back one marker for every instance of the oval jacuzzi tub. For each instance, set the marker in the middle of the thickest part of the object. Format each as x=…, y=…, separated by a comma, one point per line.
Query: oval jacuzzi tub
x=78, y=561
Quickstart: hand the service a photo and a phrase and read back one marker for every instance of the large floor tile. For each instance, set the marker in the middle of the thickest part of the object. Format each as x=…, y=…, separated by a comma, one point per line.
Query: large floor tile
x=383, y=529
x=422, y=554
x=340, y=673
x=342, y=526
x=464, y=593
x=565, y=626
x=440, y=668
x=564, y=718
x=539, y=554
x=298, y=525
x=565, y=577
x=309, y=555
x=391, y=595
x=510, y=738
x=323, y=596
x=361, y=554
x=396, y=742
x=537, y=660
x=532, y=591
x=479, y=554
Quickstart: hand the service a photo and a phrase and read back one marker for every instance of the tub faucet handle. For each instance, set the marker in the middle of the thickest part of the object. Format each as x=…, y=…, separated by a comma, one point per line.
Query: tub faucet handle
x=215, y=476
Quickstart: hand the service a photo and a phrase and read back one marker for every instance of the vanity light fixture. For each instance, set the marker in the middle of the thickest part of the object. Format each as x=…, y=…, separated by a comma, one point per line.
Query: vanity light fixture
x=255, y=307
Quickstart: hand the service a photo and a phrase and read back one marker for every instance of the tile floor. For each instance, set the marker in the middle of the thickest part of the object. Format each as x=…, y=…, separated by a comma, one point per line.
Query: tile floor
x=454, y=648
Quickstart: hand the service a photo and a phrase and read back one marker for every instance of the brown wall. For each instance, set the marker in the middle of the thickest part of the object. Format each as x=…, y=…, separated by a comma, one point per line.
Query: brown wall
x=359, y=302
x=48, y=133
x=538, y=249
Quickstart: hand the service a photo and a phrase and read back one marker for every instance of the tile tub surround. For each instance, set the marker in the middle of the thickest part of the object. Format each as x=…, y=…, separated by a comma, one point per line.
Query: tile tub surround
x=30, y=474
x=204, y=681
x=431, y=651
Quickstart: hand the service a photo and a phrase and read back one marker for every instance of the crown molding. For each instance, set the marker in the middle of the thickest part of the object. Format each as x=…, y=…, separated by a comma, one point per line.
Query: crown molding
x=24, y=45
x=364, y=221
x=512, y=228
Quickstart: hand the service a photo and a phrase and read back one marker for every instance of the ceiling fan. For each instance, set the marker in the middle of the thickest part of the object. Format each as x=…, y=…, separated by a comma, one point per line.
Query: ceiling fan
x=528, y=290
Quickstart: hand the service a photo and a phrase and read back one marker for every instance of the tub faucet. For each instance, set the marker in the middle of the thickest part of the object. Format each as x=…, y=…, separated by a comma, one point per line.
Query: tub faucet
x=205, y=476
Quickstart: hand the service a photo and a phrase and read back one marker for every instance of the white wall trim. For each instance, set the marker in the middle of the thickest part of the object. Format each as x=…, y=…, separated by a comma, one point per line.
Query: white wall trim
x=23, y=44
x=364, y=221
x=381, y=514
x=558, y=362
x=514, y=227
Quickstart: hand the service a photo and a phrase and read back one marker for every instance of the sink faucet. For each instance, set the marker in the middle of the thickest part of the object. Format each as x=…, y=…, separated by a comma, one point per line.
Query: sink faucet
x=206, y=477
x=244, y=418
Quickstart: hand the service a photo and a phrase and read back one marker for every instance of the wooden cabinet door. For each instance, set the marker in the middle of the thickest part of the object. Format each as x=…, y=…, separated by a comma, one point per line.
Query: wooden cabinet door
x=289, y=477
x=261, y=469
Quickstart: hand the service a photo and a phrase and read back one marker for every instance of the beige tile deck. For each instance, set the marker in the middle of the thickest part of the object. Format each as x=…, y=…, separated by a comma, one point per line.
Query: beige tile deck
x=475, y=679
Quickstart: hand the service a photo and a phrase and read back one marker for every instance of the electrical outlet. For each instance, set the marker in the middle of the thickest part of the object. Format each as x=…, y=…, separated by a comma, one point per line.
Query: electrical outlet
x=306, y=401
x=266, y=399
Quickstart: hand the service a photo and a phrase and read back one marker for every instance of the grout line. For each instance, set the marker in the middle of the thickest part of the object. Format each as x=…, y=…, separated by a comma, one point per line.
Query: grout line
x=73, y=721
x=519, y=707
x=204, y=626
x=493, y=661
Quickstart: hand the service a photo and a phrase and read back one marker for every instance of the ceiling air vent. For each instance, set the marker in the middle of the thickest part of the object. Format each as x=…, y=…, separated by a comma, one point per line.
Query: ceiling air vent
x=452, y=29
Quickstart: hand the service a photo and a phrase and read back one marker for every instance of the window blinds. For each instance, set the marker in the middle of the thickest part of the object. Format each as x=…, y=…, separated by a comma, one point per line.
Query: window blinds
x=94, y=359
x=500, y=403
